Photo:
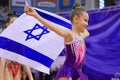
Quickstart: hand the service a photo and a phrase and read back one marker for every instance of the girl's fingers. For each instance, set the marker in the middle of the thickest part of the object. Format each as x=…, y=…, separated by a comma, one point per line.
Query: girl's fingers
x=26, y=12
x=25, y=9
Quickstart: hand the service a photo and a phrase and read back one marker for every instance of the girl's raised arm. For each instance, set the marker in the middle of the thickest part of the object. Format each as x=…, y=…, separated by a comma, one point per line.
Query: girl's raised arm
x=60, y=31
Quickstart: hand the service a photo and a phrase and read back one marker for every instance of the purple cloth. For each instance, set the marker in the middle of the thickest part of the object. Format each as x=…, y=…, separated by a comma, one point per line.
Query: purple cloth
x=103, y=45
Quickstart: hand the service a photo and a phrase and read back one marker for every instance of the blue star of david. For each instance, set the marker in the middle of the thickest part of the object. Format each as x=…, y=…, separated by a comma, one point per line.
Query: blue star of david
x=36, y=37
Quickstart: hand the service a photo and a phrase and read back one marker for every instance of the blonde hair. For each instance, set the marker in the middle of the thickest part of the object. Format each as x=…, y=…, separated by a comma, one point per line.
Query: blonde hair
x=77, y=9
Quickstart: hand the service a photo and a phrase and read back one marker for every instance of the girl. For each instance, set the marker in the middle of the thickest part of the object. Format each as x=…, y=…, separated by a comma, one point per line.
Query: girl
x=74, y=43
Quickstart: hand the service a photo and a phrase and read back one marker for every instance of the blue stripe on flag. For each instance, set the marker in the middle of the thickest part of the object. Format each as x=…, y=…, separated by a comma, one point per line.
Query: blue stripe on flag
x=16, y=47
x=54, y=19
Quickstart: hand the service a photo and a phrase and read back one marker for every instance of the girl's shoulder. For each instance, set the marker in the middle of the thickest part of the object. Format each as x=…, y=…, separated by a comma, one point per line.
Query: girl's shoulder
x=72, y=38
x=69, y=37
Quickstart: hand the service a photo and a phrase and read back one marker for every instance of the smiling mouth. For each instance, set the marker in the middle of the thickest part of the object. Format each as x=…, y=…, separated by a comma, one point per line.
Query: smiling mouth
x=84, y=27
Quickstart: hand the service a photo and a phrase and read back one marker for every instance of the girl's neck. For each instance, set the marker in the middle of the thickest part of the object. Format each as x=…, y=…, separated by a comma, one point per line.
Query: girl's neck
x=75, y=30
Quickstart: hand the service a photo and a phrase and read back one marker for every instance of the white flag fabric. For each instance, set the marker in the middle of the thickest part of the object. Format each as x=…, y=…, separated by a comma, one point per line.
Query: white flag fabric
x=29, y=42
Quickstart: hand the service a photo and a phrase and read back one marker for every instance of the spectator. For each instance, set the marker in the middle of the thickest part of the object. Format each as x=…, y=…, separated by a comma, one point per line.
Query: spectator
x=10, y=70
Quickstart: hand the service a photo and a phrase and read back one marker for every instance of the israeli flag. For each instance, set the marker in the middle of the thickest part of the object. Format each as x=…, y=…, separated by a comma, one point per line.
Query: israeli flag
x=29, y=42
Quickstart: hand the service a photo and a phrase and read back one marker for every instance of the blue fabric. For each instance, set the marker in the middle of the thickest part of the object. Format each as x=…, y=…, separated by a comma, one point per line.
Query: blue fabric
x=102, y=60
x=54, y=19
x=22, y=50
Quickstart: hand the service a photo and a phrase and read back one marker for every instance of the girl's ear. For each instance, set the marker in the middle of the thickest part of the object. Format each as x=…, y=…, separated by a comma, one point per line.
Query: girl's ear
x=76, y=19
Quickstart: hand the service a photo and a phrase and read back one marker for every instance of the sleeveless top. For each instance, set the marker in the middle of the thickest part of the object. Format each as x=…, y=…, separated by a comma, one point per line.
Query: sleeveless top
x=75, y=52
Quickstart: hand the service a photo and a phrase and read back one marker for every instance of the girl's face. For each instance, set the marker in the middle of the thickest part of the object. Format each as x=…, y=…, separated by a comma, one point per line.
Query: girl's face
x=82, y=22
x=12, y=19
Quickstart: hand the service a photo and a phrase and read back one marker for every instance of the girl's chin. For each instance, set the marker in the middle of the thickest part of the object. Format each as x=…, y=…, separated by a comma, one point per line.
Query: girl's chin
x=82, y=30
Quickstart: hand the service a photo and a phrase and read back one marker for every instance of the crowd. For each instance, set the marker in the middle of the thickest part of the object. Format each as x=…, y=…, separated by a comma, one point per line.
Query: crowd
x=11, y=70
x=3, y=16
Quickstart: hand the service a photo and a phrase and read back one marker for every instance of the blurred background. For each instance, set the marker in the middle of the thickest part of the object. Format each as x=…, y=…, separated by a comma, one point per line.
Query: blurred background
x=56, y=6
x=103, y=46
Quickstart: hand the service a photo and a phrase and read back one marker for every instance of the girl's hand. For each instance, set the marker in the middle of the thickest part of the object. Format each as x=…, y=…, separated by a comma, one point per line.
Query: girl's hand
x=30, y=11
